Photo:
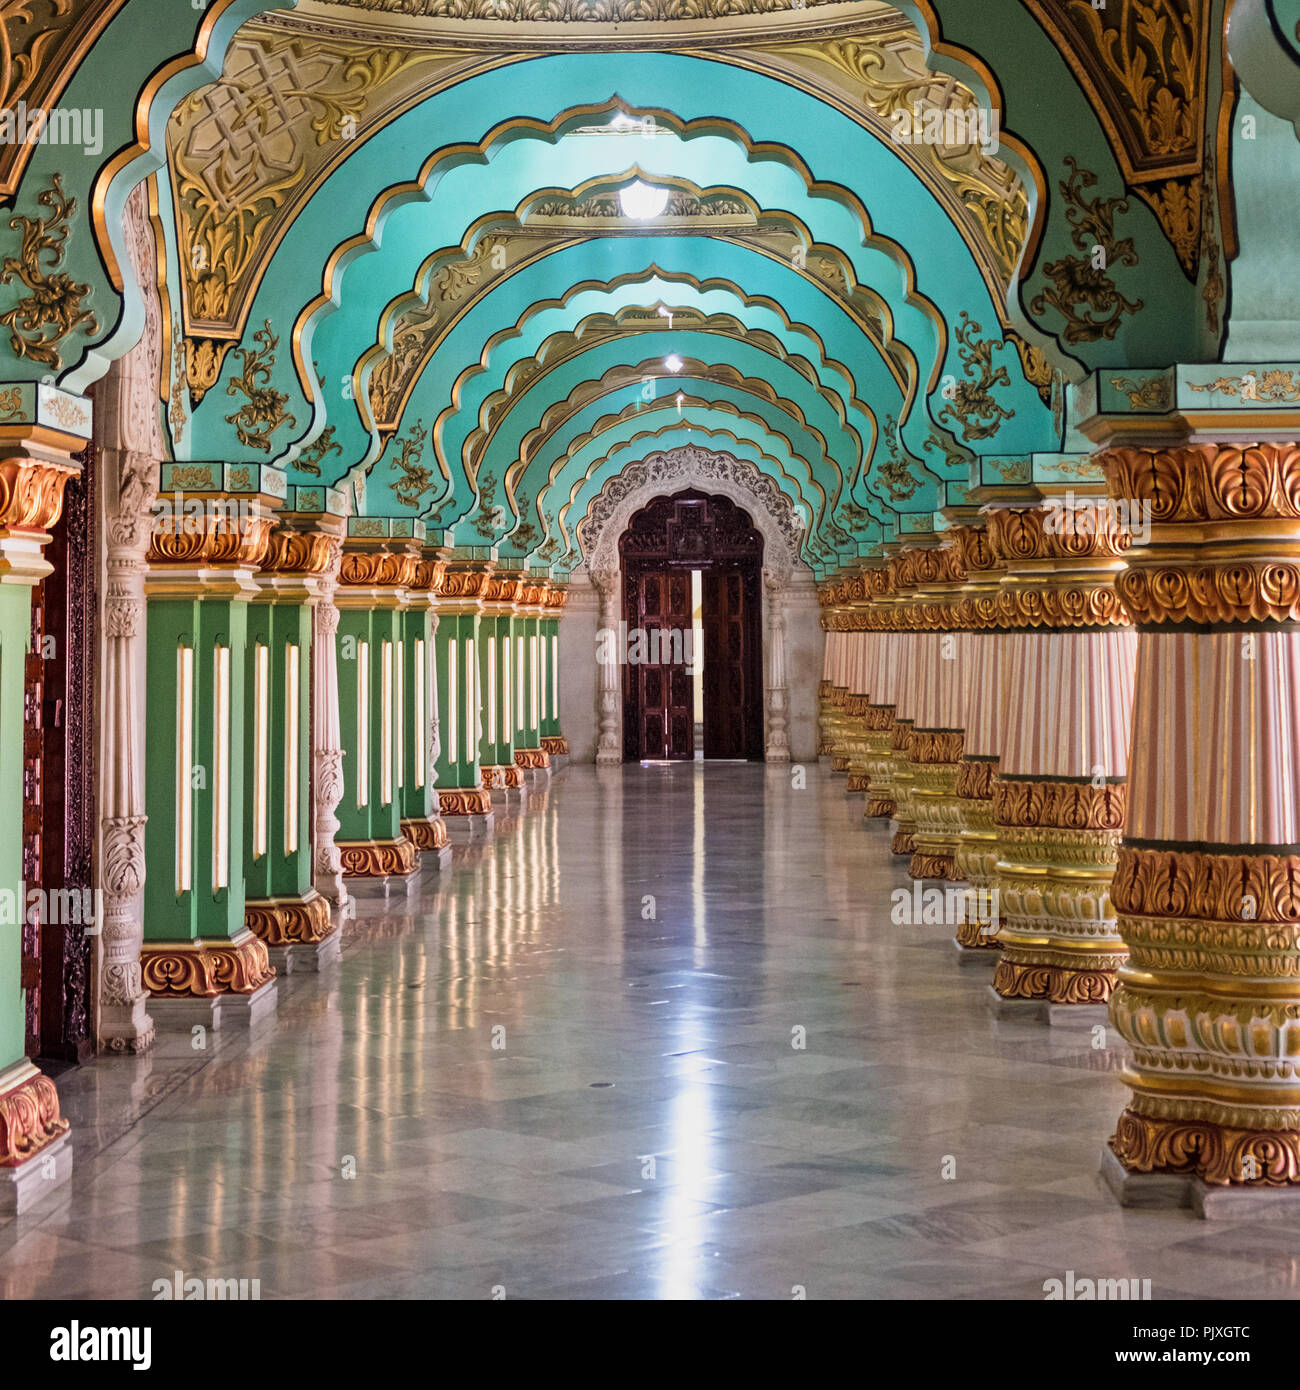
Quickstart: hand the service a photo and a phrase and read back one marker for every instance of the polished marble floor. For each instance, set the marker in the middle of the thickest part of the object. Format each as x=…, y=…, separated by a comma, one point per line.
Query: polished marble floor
x=660, y=1039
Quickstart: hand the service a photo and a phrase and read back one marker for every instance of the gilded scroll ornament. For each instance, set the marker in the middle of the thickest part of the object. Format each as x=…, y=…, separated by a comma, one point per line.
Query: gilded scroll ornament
x=263, y=411
x=972, y=405
x=205, y=969
x=1151, y=393
x=176, y=415
x=285, y=923
x=1082, y=288
x=893, y=471
x=425, y=834
x=377, y=858
x=1275, y=385
x=311, y=458
x=489, y=515
x=29, y=1118
x=1035, y=365
x=415, y=478
x=40, y=321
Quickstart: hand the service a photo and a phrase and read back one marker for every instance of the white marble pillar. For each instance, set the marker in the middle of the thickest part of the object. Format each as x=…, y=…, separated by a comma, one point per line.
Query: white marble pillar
x=130, y=480
x=327, y=744
x=609, y=749
x=129, y=435
x=776, y=747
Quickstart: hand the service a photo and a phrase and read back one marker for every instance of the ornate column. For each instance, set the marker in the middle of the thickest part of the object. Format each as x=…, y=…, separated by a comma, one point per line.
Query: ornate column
x=776, y=746
x=200, y=961
x=380, y=559
x=828, y=660
x=975, y=854
x=609, y=749
x=283, y=906
x=938, y=728
x=461, y=798
x=1059, y=798
x=327, y=745
x=35, y=465
x=882, y=682
x=502, y=676
x=131, y=455
x=1208, y=883
x=531, y=758
x=422, y=821
x=553, y=739
x=907, y=653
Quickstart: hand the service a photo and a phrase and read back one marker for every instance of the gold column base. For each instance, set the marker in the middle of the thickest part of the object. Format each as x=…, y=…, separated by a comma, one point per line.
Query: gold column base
x=1059, y=843
x=29, y=1115
x=464, y=801
x=532, y=758
x=289, y=921
x=205, y=969
x=377, y=858
x=556, y=745
x=929, y=864
x=1209, y=1004
x=1218, y=1154
x=425, y=833
x=501, y=776
x=1058, y=983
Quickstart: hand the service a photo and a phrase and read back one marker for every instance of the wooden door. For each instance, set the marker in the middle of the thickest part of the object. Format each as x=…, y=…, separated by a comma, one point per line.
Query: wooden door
x=59, y=790
x=733, y=681
x=33, y=857
x=659, y=714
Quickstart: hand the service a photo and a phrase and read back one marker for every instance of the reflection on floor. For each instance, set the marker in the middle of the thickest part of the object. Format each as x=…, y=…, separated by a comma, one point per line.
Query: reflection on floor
x=570, y=1068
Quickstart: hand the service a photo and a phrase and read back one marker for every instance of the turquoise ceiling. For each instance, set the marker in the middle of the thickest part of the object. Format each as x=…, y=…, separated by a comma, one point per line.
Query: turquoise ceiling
x=395, y=255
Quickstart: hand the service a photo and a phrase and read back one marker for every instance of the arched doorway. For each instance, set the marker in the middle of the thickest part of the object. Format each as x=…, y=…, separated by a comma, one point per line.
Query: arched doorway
x=692, y=638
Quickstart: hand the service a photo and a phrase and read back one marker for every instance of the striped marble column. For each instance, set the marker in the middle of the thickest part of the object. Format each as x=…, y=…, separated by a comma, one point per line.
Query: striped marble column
x=943, y=672
x=1059, y=798
x=857, y=704
x=1208, y=883
x=880, y=725
x=825, y=685
x=975, y=856
x=907, y=653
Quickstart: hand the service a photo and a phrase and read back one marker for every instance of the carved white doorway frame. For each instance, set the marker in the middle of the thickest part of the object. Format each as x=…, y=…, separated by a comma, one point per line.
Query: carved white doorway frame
x=774, y=516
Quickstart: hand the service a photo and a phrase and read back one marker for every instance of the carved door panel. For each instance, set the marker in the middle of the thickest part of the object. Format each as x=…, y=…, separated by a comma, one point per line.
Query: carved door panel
x=33, y=813
x=658, y=696
x=733, y=708
x=59, y=790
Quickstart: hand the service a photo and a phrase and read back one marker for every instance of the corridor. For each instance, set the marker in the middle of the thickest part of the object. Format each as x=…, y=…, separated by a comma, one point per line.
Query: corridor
x=660, y=1038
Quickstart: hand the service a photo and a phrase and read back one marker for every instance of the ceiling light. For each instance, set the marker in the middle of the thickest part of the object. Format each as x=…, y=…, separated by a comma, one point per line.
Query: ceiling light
x=641, y=202
x=673, y=362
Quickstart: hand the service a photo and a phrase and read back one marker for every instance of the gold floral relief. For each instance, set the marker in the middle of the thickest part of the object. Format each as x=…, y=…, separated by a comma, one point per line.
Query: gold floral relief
x=1143, y=64
x=972, y=406
x=52, y=309
x=263, y=410
x=415, y=479
x=311, y=458
x=1083, y=291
